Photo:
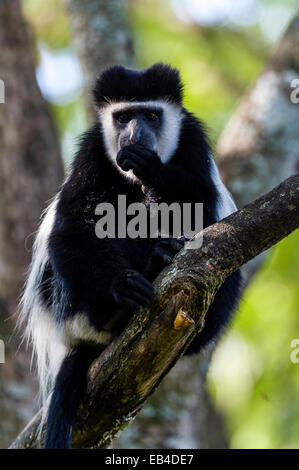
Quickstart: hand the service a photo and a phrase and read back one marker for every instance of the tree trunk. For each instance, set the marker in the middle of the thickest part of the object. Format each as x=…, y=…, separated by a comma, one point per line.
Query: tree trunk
x=101, y=38
x=30, y=171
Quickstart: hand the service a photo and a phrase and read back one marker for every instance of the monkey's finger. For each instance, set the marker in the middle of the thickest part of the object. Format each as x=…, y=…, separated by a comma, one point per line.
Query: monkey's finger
x=132, y=157
x=131, y=163
x=130, y=303
x=126, y=165
x=143, y=285
x=183, y=239
x=165, y=257
x=143, y=157
x=124, y=154
x=172, y=245
x=140, y=299
x=141, y=151
x=137, y=169
x=176, y=245
x=131, y=273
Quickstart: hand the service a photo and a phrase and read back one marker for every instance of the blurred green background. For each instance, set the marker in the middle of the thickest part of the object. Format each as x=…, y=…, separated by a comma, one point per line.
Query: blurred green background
x=220, y=48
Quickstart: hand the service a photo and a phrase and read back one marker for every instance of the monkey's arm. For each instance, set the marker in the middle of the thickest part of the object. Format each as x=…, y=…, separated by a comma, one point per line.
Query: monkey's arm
x=173, y=181
x=96, y=273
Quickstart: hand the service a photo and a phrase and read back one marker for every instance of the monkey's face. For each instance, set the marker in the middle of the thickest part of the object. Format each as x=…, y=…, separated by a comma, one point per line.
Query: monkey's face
x=154, y=125
x=138, y=125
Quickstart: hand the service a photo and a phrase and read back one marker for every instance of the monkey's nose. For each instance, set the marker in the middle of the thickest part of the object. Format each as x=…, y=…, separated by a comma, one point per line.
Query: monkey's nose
x=135, y=136
x=138, y=134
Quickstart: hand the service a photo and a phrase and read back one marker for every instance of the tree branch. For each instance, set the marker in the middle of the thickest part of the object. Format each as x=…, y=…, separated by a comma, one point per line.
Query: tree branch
x=131, y=367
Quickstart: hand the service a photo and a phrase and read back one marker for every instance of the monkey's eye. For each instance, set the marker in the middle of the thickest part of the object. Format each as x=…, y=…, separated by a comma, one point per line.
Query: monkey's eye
x=151, y=115
x=124, y=118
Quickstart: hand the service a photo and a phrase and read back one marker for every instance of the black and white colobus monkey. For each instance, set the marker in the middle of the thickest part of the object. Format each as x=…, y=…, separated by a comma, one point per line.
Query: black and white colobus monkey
x=145, y=145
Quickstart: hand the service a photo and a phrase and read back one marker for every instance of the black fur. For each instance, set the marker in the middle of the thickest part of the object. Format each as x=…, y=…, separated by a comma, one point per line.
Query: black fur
x=67, y=394
x=120, y=84
x=98, y=277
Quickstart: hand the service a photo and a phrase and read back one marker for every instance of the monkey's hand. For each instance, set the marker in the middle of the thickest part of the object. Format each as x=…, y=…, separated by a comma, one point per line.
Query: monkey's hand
x=144, y=163
x=162, y=254
x=132, y=290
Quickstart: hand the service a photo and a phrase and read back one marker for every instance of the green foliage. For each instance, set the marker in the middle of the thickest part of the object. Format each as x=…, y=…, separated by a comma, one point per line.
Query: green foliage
x=253, y=380
x=206, y=57
x=49, y=22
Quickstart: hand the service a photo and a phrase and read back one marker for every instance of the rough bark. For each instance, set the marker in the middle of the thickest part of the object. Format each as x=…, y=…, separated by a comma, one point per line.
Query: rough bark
x=179, y=415
x=101, y=37
x=134, y=364
x=30, y=170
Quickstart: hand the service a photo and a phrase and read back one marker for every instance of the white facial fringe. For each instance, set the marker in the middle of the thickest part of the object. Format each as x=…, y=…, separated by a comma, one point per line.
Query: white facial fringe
x=169, y=136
